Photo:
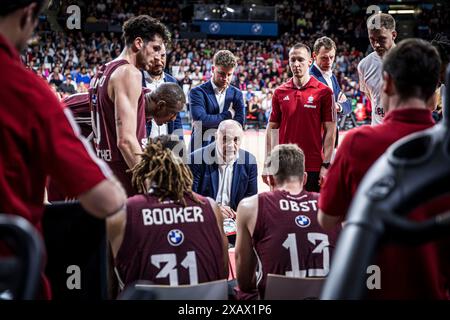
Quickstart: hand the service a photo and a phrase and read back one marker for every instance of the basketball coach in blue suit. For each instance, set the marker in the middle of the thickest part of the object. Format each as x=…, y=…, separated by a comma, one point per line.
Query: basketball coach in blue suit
x=223, y=171
x=324, y=52
x=215, y=101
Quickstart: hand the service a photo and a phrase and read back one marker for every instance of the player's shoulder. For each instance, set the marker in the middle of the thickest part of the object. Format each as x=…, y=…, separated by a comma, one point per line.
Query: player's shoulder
x=138, y=199
x=359, y=136
x=126, y=72
x=310, y=195
x=249, y=203
x=36, y=91
x=368, y=61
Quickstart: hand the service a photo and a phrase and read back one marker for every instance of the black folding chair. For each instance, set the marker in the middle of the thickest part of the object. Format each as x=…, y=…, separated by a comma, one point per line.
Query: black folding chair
x=73, y=237
x=412, y=171
x=20, y=273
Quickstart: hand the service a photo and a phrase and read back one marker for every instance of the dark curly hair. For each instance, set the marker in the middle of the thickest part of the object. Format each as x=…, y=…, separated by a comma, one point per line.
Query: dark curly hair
x=145, y=27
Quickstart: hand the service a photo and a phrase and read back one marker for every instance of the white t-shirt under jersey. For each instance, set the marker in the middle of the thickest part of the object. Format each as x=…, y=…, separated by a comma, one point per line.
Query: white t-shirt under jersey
x=370, y=82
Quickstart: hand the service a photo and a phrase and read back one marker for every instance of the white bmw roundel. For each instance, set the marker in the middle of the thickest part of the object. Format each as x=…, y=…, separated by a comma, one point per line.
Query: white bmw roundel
x=302, y=221
x=175, y=237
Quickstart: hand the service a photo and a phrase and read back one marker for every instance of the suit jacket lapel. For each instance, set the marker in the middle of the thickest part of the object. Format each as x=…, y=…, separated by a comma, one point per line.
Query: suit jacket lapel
x=319, y=75
x=212, y=98
x=213, y=169
x=235, y=183
x=214, y=172
x=229, y=95
x=336, y=87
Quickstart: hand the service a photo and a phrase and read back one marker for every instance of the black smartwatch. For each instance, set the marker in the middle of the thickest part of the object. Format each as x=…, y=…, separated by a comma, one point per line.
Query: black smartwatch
x=326, y=165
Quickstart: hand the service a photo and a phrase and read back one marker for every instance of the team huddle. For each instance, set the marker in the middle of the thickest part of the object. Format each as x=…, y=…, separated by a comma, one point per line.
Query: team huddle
x=166, y=204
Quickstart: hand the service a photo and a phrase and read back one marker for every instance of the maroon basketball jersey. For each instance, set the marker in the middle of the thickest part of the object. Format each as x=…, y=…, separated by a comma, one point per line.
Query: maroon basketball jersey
x=170, y=244
x=288, y=238
x=104, y=124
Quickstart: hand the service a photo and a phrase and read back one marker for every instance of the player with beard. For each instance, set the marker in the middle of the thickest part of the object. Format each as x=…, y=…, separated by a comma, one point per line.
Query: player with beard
x=117, y=98
x=152, y=79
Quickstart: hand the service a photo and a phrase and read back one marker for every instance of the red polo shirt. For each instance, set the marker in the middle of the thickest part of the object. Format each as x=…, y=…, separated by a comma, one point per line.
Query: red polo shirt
x=300, y=113
x=38, y=138
x=406, y=272
x=360, y=148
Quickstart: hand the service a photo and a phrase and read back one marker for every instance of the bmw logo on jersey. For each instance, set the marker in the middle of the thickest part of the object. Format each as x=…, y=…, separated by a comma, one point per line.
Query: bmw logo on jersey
x=175, y=237
x=302, y=221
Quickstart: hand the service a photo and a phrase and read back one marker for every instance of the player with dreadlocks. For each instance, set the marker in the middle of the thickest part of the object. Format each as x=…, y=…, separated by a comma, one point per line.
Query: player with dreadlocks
x=168, y=234
x=442, y=44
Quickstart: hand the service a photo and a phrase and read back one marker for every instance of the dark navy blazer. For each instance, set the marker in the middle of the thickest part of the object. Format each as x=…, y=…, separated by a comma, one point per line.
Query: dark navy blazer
x=347, y=105
x=206, y=174
x=205, y=110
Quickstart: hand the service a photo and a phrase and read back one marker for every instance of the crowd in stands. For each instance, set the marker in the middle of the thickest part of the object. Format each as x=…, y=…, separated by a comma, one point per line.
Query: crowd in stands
x=68, y=60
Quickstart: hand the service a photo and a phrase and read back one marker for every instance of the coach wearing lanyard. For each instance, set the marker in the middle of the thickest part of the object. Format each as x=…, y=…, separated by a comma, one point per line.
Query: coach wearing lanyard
x=303, y=112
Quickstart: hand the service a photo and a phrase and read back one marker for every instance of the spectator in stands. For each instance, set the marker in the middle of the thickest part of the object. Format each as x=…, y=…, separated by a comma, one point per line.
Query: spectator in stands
x=186, y=83
x=266, y=104
x=405, y=96
x=56, y=77
x=224, y=171
x=280, y=228
x=169, y=223
x=382, y=34
x=47, y=143
x=442, y=44
x=83, y=77
x=303, y=113
x=215, y=101
x=67, y=86
x=256, y=112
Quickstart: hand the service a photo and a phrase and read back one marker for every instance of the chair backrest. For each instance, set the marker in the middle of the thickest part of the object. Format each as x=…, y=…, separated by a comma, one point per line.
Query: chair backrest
x=280, y=287
x=20, y=272
x=214, y=290
x=75, y=238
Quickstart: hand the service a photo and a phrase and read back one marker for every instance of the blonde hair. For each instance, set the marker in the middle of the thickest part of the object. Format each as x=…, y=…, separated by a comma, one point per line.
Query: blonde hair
x=225, y=58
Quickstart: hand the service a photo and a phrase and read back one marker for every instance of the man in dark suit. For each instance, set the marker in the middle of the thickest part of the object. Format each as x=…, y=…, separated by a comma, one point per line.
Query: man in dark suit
x=152, y=80
x=223, y=171
x=215, y=101
x=324, y=52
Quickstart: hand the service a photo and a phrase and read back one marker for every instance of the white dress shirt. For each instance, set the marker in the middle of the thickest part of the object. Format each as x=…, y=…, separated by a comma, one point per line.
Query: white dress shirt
x=152, y=85
x=327, y=76
x=225, y=179
x=220, y=95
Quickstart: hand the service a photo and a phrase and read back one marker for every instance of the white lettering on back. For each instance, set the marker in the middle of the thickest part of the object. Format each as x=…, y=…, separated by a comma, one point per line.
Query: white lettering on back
x=158, y=216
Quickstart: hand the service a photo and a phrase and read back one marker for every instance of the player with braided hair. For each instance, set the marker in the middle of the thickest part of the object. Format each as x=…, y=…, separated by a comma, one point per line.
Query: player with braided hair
x=168, y=234
x=161, y=166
